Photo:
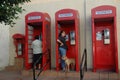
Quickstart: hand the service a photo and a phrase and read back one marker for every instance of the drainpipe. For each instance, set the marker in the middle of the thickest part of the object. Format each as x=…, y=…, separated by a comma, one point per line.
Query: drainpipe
x=85, y=21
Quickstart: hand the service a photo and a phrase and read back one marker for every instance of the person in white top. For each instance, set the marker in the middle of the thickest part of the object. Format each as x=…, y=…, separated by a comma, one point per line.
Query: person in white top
x=37, y=52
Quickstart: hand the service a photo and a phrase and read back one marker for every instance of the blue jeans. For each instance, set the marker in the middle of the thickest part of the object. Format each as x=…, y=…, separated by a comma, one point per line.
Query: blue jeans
x=62, y=52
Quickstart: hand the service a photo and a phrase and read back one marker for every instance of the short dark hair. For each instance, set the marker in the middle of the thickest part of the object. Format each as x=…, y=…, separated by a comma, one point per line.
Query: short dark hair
x=36, y=37
x=60, y=34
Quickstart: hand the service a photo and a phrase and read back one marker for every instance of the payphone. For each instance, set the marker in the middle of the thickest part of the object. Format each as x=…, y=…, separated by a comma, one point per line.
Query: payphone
x=38, y=23
x=72, y=37
x=19, y=49
x=104, y=38
x=19, y=42
x=68, y=20
x=106, y=34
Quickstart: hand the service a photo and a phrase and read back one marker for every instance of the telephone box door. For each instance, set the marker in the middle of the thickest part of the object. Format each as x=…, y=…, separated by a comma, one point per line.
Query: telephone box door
x=104, y=50
x=47, y=45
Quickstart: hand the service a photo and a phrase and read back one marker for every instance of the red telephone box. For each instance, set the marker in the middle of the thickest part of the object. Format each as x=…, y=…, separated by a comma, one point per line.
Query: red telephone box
x=104, y=38
x=68, y=20
x=19, y=42
x=38, y=23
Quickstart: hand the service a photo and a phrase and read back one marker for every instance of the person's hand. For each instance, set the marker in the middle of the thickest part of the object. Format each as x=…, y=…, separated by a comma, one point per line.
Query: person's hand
x=61, y=44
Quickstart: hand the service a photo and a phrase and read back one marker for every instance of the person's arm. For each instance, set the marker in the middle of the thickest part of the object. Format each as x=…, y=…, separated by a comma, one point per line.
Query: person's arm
x=59, y=42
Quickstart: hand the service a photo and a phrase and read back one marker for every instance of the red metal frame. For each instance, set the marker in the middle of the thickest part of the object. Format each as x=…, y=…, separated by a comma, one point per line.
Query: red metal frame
x=19, y=38
x=42, y=25
x=69, y=20
x=98, y=13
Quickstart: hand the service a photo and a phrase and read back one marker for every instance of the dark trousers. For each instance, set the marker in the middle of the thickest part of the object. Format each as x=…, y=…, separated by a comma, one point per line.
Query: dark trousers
x=37, y=59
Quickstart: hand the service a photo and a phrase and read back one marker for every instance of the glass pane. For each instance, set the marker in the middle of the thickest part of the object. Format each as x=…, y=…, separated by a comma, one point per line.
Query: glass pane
x=29, y=41
x=30, y=51
x=30, y=28
x=30, y=32
x=30, y=56
x=30, y=60
x=30, y=37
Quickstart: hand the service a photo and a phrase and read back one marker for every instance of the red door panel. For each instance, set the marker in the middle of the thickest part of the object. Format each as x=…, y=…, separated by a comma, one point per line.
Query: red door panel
x=104, y=52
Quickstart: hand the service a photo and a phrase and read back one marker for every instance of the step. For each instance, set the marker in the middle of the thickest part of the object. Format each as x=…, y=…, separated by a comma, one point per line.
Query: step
x=101, y=76
x=51, y=73
x=89, y=75
x=10, y=68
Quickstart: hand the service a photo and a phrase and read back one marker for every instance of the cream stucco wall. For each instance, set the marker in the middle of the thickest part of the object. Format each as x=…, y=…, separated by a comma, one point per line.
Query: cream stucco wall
x=51, y=6
x=4, y=46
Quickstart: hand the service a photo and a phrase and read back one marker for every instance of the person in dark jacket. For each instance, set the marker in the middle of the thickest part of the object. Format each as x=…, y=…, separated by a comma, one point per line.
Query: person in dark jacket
x=62, y=47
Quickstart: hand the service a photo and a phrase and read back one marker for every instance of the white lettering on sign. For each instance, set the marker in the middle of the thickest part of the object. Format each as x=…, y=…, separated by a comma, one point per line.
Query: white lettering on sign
x=34, y=17
x=66, y=15
x=104, y=12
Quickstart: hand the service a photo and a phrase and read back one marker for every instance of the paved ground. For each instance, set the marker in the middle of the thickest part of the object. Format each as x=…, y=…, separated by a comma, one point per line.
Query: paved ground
x=53, y=75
